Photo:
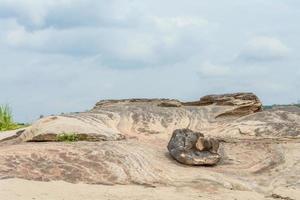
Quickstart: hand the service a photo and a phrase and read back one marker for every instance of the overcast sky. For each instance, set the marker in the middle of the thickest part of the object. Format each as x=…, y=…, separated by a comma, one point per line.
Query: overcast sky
x=65, y=55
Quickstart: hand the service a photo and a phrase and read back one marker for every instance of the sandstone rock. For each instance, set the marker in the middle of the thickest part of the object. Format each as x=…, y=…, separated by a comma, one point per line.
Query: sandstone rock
x=107, y=103
x=9, y=135
x=230, y=115
x=83, y=125
x=232, y=99
x=241, y=103
x=127, y=140
x=192, y=148
x=114, y=162
x=246, y=103
x=170, y=103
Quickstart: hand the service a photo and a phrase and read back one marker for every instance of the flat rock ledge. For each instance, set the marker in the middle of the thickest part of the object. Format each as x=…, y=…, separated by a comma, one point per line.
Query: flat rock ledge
x=192, y=148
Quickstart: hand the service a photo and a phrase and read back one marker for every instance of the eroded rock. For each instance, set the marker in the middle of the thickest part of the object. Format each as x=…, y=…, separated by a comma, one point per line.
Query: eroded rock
x=243, y=103
x=192, y=148
x=113, y=120
x=113, y=162
x=127, y=140
x=83, y=125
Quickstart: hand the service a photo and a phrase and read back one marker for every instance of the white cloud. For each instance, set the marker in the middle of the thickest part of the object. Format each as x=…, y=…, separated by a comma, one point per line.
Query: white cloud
x=34, y=14
x=29, y=12
x=120, y=47
x=207, y=69
x=263, y=48
x=86, y=50
x=171, y=23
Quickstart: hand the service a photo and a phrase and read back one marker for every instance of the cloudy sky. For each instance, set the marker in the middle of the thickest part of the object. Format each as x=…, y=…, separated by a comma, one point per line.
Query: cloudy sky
x=65, y=55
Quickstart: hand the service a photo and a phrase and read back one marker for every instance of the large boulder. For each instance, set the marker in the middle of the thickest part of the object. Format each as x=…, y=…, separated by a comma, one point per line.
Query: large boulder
x=192, y=148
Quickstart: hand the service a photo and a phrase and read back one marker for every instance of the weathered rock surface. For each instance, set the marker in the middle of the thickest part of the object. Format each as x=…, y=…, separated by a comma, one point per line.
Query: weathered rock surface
x=115, y=119
x=259, y=150
x=192, y=148
x=8, y=135
x=243, y=103
x=95, y=128
x=97, y=163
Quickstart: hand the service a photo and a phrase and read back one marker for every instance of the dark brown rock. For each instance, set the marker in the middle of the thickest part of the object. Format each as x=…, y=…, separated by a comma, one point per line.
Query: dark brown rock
x=192, y=148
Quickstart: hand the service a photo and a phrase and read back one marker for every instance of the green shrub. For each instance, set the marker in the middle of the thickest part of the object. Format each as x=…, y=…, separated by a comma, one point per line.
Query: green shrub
x=6, y=119
x=67, y=137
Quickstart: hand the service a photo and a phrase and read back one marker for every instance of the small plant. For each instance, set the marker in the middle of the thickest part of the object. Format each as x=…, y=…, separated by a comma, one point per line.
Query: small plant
x=67, y=137
x=6, y=119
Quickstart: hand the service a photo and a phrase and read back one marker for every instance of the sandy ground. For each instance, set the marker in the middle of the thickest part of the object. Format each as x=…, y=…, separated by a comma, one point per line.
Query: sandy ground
x=17, y=189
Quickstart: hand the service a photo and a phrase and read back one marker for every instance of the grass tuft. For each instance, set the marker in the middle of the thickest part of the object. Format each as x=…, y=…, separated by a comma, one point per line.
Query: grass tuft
x=67, y=137
x=6, y=119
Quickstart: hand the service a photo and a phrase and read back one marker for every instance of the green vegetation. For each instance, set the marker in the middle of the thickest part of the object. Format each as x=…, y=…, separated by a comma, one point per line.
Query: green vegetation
x=6, y=119
x=67, y=137
x=266, y=107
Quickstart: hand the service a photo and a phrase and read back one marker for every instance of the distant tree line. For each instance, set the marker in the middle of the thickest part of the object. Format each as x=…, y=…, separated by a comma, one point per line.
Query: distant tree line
x=281, y=105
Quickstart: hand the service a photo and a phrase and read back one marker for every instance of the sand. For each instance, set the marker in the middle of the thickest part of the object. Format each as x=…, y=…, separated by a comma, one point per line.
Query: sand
x=18, y=189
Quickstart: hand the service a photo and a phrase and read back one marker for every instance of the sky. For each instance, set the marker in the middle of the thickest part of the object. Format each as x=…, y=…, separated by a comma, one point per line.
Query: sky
x=65, y=55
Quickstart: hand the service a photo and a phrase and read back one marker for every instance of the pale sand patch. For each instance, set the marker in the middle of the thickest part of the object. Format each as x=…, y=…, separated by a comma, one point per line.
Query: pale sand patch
x=18, y=189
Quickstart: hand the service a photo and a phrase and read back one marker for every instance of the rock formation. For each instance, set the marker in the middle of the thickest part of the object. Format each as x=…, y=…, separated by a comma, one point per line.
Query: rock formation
x=115, y=119
x=192, y=148
x=126, y=143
